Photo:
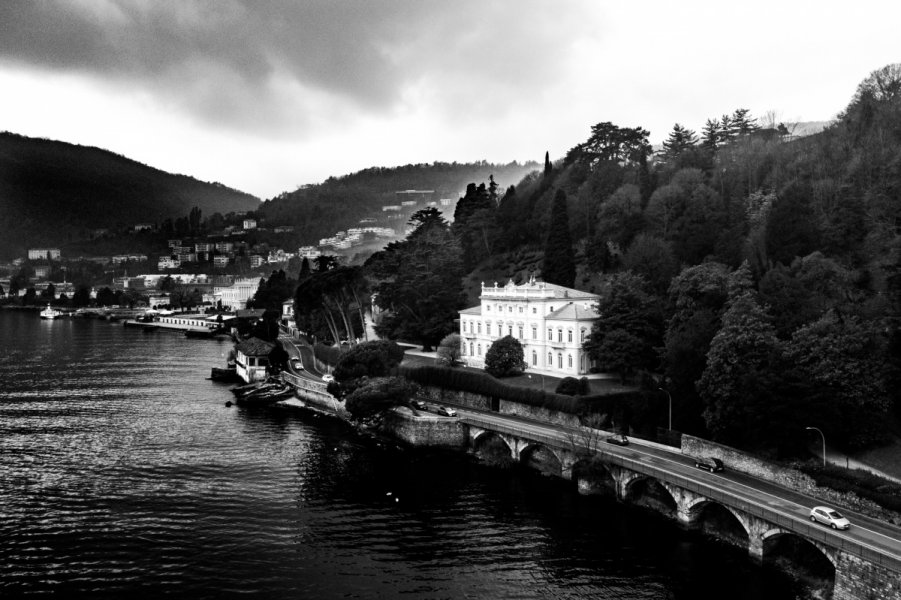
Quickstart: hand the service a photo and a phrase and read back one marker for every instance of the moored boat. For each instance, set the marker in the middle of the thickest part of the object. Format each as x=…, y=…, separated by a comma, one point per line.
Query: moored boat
x=50, y=313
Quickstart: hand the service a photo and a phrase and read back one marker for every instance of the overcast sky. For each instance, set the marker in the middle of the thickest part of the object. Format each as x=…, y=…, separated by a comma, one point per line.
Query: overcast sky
x=265, y=95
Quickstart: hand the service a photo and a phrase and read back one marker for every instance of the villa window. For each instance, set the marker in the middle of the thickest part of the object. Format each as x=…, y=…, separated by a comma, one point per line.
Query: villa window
x=488, y=328
x=534, y=359
x=470, y=348
x=520, y=333
x=570, y=358
x=550, y=334
x=569, y=336
x=534, y=310
x=559, y=360
x=582, y=335
x=480, y=327
x=510, y=330
x=463, y=350
x=550, y=359
x=488, y=308
x=520, y=309
x=510, y=308
x=559, y=335
x=479, y=347
x=534, y=333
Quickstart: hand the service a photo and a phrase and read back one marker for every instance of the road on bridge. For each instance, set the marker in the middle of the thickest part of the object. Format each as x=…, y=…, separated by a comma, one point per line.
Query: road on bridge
x=872, y=534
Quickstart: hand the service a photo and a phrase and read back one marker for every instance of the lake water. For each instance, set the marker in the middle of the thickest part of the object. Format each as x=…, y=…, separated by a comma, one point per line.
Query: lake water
x=124, y=475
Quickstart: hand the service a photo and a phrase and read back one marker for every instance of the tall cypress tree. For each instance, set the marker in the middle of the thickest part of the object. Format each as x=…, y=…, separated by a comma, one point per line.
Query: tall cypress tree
x=559, y=264
x=548, y=169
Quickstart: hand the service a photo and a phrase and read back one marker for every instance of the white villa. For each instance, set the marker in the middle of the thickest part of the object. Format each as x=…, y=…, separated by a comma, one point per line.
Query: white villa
x=550, y=321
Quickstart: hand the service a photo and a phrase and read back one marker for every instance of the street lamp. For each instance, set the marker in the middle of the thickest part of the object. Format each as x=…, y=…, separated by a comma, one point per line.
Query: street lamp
x=824, y=441
x=670, y=407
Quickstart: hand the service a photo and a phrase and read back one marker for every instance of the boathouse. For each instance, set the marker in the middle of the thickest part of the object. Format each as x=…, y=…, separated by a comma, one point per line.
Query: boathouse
x=253, y=359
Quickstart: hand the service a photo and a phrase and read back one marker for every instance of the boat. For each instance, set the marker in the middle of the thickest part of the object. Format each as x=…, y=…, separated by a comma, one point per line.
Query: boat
x=50, y=313
x=263, y=397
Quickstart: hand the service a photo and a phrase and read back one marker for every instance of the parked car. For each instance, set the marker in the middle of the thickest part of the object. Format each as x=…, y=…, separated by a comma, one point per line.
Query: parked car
x=298, y=365
x=419, y=405
x=829, y=516
x=328, y=377
x=447, y=412
x=619, y=440
x=708, y=463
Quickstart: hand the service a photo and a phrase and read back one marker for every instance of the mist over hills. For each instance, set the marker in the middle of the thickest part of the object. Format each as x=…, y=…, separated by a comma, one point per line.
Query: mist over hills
x=54, y=192
x=339, y=202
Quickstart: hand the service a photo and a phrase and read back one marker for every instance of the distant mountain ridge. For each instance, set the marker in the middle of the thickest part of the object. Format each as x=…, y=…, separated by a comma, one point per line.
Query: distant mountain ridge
x=54, y=192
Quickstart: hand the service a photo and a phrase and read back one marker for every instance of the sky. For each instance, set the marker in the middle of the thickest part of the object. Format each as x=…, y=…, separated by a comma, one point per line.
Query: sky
x=268, y=95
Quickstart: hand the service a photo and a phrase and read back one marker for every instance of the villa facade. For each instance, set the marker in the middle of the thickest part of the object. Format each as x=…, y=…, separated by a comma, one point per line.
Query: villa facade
x=550, y=321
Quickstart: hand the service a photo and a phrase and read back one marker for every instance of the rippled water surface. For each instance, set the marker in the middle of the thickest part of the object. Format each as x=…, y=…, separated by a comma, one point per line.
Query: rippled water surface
x=123, y=475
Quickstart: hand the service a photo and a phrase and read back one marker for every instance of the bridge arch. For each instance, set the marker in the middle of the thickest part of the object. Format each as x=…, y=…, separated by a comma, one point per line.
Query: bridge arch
x=594, y=477
x=492, y=449
x=542, y=459
x=720, y=521
x=813, y=565
x=643, y=490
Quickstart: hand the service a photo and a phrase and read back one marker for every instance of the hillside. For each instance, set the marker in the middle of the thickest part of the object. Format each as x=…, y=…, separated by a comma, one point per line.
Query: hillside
x=54, y=192
x=340, y=202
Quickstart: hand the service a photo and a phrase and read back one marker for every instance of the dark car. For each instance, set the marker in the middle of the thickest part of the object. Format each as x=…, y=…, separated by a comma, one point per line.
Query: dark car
x=708, y=463
x=419, y=405
x=619, y=440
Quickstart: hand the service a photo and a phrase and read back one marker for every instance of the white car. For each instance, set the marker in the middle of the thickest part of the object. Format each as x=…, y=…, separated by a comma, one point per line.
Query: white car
x=447, y=412
x=829, y=516
x=328, y=378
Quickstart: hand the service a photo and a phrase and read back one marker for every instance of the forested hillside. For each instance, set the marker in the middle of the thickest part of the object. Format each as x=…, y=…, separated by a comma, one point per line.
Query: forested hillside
x=752, y=273
x=53, y=192
x=318, y=211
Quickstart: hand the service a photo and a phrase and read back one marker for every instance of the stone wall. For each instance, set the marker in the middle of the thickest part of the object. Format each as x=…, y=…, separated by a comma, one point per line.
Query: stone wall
x=858, y=579
x=538, y=413
x=793, y=479
x=743, y=462
x=443, y=396
x=425, y=431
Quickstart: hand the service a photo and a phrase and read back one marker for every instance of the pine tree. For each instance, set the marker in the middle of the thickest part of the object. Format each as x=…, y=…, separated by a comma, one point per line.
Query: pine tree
x=304, y=269
x=559, y=265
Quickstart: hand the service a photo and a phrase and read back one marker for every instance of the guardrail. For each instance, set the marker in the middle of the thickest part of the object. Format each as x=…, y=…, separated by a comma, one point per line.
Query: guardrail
x=793, y=523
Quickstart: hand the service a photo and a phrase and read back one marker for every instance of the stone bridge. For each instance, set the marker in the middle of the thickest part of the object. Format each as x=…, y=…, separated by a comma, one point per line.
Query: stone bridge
x=839, y=568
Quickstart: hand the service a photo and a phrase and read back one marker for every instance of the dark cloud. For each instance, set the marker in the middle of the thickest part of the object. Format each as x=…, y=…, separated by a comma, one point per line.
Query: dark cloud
x=264, y=64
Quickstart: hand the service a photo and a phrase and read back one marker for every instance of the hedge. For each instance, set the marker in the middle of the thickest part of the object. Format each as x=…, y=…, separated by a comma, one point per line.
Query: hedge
x=638, y=406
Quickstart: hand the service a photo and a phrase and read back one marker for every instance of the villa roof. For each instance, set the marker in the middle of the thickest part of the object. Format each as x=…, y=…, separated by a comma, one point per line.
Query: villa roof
x=574, y=312
x=533, y=287
x=475, y=310
x=255, y=347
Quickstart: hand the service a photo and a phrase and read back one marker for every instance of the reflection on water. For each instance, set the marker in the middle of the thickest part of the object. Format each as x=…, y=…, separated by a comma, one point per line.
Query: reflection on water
x=122, y=472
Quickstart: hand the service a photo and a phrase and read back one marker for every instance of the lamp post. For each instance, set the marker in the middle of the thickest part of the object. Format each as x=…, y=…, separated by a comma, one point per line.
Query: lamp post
x=824, y=441
x=670, y=407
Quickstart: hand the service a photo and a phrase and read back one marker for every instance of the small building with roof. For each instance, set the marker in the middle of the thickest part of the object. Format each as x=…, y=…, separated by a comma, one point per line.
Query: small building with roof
x=550, y=321
x=252, y=358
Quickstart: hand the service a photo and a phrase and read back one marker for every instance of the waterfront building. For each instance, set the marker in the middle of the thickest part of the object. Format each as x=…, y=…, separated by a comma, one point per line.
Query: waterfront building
x=237, y=294
x=43, y=253
x=250, y=224
x=252, y=359
x=550, y=321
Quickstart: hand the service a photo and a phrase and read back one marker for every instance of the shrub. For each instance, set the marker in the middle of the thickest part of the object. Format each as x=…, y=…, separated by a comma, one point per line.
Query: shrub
x=569, y=386
x=505, y=357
